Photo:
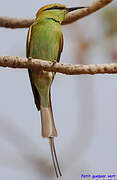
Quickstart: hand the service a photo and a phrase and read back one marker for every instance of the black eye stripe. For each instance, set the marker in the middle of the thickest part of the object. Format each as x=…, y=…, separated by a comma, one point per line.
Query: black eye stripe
x=54, y=7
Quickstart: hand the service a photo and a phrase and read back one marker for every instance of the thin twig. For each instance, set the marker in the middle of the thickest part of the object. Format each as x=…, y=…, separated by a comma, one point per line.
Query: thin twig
x=8, y=22
x=18, y=62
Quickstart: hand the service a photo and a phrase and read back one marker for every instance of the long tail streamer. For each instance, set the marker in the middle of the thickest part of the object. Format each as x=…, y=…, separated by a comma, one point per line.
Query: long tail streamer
x=54, y=157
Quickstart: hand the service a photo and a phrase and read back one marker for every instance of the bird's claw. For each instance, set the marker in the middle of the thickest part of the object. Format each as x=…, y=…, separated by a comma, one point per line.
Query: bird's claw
x=54, y=62
x=29, y=58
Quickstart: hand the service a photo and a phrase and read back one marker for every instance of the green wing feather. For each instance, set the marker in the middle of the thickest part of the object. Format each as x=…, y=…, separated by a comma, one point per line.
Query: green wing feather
x=34, y=89
x=60, y=48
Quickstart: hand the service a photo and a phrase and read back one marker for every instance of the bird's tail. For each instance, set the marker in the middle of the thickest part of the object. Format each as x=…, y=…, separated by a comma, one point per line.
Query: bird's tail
x=49, y=131
x=54, y=157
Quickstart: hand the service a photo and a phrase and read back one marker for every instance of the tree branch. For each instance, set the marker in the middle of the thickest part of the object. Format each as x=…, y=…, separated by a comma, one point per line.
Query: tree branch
x=14, y=23
x=76, y=15
x=18, y=62
x=73, y=16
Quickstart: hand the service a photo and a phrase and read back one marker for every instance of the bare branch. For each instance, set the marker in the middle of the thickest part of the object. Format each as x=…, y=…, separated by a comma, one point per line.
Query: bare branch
x=14, y=23
x=18, y=62
x=73, y=16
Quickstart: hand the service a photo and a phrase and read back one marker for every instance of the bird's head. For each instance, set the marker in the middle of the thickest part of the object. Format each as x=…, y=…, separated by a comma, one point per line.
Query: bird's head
x=55, y=11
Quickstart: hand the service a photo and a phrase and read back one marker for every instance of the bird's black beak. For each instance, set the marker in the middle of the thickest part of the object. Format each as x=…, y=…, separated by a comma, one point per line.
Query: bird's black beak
x=74, y=8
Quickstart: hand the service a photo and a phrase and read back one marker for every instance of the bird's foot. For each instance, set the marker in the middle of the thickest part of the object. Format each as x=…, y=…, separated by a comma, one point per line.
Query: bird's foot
x=54, y=62
x=29, y=58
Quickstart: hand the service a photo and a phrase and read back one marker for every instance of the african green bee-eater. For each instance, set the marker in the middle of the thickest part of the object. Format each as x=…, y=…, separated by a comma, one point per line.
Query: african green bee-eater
x=45, y=41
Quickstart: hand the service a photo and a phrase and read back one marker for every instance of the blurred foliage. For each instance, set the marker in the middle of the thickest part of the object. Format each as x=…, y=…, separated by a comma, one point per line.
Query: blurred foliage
x=105, y=37
x=109, y=18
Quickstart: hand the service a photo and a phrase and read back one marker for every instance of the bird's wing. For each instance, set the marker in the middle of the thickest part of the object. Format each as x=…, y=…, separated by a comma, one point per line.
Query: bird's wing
x=34, y=89
x=60, y=48
x=59, y=53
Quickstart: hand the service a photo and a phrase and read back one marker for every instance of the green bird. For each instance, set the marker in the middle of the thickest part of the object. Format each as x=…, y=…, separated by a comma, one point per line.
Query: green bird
x=45, y=41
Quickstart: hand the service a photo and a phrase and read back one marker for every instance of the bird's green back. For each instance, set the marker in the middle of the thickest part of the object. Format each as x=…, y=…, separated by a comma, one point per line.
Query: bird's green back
x=45, y=40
